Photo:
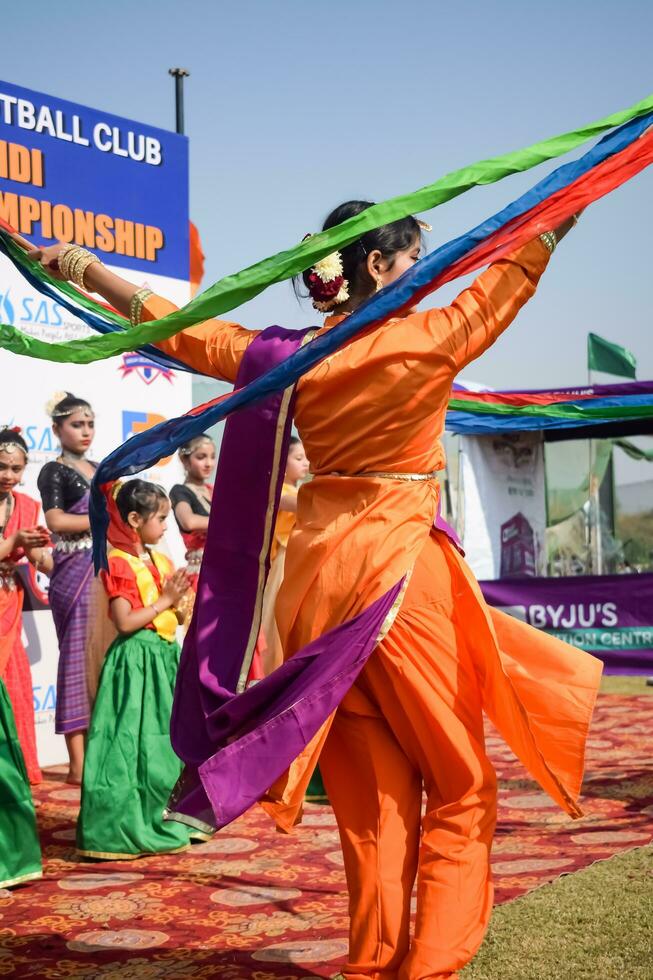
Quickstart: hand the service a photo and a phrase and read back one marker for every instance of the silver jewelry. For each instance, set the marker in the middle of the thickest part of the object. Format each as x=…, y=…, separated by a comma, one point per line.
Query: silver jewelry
x=70, y=543
x=72, y=455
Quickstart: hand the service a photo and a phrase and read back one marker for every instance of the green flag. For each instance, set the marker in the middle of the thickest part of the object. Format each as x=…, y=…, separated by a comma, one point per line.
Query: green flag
x=611, y=358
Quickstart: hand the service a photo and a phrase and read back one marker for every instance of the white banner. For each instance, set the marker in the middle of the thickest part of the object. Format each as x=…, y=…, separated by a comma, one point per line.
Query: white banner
x=504, y=504
x=128, y=394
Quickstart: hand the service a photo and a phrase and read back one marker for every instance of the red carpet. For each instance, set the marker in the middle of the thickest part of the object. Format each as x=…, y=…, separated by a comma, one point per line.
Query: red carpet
x=255, y=904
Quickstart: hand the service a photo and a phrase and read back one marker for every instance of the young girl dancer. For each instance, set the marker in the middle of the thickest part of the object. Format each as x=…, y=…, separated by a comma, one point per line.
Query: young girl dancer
x=20, y=537
x=130, y=767
x=64, y=488
x=191, y=500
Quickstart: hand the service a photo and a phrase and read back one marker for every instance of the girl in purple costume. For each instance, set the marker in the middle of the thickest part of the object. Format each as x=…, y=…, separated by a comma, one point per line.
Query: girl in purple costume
x=64, y=487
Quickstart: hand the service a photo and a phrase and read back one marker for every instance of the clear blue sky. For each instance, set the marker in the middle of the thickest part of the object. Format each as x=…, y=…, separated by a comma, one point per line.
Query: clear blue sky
x=294, y=106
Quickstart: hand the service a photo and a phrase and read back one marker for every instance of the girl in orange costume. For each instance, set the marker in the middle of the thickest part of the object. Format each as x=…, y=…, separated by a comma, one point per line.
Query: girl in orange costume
x=370, y=417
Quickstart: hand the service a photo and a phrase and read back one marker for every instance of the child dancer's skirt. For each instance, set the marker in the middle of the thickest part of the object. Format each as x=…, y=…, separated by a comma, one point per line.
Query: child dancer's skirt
x=130, y=767
x=20, y=853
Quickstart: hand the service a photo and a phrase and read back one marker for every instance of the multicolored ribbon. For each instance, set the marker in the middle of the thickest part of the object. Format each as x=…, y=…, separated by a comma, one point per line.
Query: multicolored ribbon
x=569, y=188
x=598, y=407
x=234, y=290
x=616, y=158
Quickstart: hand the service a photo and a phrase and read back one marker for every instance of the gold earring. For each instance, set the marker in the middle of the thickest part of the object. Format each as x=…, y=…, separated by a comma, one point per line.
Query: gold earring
x=379, y=284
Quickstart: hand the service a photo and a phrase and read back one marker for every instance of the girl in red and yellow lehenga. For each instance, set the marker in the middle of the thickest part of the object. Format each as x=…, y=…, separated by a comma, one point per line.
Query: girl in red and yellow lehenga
x=370, y=417
x=21, y=537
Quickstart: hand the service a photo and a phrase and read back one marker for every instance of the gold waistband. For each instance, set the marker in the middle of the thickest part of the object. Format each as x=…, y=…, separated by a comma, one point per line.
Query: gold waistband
x=388, y=475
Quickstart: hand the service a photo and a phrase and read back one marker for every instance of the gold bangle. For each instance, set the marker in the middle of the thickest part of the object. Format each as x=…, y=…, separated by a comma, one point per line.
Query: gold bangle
x=82, y=265
x=74, y=264
x=136, y=305
x=550, y=240
x=73, y=261
x=64, y=259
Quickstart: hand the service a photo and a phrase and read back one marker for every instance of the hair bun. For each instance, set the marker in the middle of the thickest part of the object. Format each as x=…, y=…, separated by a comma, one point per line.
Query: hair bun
x=54, y=401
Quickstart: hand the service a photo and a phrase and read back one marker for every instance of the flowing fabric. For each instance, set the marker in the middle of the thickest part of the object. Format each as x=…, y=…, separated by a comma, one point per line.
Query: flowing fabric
x=70, y=602
x=20, y=853
x=14, y=664
x=606, y=409
x=234, y=290
x=573, y=186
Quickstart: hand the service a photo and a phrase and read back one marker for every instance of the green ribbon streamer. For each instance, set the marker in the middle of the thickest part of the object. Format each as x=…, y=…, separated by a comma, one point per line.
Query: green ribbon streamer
x=234, y=290
x=553, y=411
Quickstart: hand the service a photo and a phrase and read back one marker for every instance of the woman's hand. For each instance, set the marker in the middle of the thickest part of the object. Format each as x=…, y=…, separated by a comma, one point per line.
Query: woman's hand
x=33, y=537
x=48, y=257
x=175, y=587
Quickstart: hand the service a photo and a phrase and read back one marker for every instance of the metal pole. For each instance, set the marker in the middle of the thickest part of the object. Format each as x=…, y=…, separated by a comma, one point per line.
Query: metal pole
x=590, y=536
x=179, y=74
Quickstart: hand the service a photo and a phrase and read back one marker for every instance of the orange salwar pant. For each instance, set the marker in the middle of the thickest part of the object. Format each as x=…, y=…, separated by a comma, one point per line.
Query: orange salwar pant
x=413, y=723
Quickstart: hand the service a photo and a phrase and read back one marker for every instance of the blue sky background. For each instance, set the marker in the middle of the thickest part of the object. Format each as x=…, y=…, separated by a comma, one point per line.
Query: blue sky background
x=293, y=106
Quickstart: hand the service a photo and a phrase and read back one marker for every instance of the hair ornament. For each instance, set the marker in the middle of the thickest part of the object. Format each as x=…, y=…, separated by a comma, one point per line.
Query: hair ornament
x=51, y=405
x=9, y=446
x=424, y=225
x=190, y=447
x=326, y=283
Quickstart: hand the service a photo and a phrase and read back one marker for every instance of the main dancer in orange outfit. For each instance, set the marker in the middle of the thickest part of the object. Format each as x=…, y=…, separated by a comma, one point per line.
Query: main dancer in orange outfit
x=371, y=417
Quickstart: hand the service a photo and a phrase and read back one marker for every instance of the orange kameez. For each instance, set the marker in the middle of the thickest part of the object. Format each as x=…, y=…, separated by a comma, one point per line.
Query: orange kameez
x=413, y=719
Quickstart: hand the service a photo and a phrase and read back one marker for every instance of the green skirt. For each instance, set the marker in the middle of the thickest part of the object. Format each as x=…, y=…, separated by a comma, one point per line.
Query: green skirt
x=20, y=852
x=315, y=791
x=129, y=765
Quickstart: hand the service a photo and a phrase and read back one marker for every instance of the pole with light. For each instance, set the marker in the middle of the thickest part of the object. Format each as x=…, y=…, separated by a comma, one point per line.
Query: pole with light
x=179, y=74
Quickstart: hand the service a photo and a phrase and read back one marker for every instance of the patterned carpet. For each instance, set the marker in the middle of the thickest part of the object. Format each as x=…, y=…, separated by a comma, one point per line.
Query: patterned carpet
x=254, y=904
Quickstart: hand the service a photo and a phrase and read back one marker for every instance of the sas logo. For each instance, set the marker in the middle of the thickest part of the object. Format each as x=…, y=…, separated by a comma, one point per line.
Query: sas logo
x=41, y=311
x=134, y=423
x=7, y=312
x=145, y=369
x=40, y=439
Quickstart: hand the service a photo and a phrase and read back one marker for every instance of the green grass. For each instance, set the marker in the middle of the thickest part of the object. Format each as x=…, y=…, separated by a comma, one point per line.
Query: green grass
x=625, y=685
x=596, y=924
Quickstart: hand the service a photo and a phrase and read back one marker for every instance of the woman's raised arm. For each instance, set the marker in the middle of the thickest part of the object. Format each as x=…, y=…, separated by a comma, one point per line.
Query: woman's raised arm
x=479, y=315
x=215, y=347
